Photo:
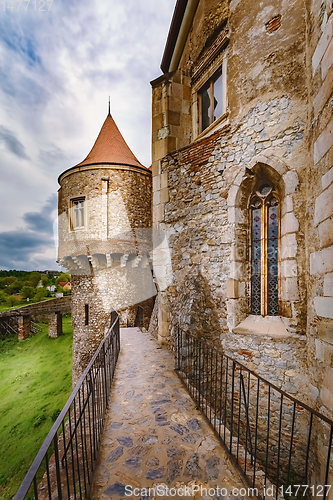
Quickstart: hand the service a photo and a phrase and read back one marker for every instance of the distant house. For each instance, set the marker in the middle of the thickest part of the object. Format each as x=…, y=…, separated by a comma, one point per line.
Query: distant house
x=66, y=284
x=51, y=273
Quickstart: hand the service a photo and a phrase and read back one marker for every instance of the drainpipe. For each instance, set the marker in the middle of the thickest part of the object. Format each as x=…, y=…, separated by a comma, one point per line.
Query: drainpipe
x=183, y=33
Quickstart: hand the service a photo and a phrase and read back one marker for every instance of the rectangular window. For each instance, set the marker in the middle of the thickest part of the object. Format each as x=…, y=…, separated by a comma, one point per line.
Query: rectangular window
x=77, y=213
x=211, y=100
x=86, y=314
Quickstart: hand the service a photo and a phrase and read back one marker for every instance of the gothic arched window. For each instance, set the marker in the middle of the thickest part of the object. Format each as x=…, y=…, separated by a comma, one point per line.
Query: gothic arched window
x=264, y=208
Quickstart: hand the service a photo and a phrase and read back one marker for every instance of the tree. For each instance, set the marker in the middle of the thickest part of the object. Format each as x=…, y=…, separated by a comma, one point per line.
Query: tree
x=13, y=300
x=45, y=281
x=35, y=278
x=9, y=280
x=14, y=287
x=28, y=292
x=40, y=294
x=3, y=297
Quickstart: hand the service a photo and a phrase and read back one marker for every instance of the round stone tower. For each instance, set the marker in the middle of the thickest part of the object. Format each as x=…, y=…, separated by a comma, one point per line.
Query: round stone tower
x=104, y=238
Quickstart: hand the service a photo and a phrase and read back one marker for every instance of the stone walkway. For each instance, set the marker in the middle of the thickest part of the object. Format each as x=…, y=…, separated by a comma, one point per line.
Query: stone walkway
x=154, y=435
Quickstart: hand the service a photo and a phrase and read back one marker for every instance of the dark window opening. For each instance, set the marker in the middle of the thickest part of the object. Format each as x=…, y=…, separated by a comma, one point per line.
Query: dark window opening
x=210, y=100
x=86, y=314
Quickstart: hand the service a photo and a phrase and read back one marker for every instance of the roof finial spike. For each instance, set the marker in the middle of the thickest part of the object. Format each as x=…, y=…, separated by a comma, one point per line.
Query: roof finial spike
x=109, y=107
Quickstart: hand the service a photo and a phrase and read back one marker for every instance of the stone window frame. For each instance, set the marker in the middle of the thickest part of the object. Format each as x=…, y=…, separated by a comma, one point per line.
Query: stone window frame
x=219, y=62
x=239, y=318
x=74, y=228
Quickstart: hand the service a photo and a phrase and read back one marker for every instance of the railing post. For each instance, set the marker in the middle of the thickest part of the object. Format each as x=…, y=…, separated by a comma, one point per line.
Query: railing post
x=56, y=457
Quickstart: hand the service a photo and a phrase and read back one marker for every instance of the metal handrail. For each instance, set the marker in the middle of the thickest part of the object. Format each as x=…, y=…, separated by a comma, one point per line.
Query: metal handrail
x=76, y=432
x=274, y=439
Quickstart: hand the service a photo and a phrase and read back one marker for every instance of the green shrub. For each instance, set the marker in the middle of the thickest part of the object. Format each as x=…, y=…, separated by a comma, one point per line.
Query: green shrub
x=55, y=414
x=39, y=420
x=13, y=300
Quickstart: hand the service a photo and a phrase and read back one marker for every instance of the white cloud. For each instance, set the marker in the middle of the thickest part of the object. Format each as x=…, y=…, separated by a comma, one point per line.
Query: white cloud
x=57, y=70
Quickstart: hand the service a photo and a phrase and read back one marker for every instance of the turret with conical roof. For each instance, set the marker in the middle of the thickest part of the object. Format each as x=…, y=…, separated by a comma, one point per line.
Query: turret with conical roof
x=104, y=237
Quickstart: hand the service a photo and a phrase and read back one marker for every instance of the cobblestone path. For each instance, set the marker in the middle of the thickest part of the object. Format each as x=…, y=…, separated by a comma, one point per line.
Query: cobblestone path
x=154, y=435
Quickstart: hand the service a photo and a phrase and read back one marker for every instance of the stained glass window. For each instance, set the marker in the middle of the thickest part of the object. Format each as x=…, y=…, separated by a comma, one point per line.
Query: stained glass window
x=272, y=257
x=256, y=258
x=264, y=252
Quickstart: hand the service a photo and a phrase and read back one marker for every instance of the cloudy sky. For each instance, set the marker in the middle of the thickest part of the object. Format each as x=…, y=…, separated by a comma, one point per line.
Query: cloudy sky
x=57, y=69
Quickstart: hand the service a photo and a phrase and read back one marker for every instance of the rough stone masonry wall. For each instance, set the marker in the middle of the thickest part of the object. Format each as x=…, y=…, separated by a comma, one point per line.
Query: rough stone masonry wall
x=109, y=267
x=117, y=199
x=279, y=126
x=199, y=221
x=320, y=206
x=112, y=288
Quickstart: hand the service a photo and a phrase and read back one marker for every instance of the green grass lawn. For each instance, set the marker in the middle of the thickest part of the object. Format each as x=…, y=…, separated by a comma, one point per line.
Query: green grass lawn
x=36, y=381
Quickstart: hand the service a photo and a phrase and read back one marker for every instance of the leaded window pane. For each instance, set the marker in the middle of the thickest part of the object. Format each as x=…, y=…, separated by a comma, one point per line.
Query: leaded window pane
x=264, y=252
x=272, y=258
x=256, y=260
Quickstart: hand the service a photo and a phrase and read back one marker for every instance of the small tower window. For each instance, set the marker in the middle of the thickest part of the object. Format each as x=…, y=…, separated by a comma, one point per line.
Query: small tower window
x=264, y=209
x=86, y=314
x=77, y=213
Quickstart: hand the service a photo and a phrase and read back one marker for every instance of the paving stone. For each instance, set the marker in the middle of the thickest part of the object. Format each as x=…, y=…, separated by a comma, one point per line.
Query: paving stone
x=193, y=424
x=152, y=462
x=129, y=394
x=155, y=473
x=115, y=425
x=179, y=428
x=212, y=466
x=125, y=441
x=133, y=462
x=175, y=469
x=149, y=439
x=115, y=489
x=174, y=452
x=192, y=467
x=115, y=454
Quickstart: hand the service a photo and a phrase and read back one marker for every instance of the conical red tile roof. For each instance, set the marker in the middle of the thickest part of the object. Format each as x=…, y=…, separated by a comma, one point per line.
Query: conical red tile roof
x=110, y=147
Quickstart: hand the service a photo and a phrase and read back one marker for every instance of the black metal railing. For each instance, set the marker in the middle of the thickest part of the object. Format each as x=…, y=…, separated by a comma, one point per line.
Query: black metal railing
x=64, y=466
x=280, y=445
x=8, y=326
x=35, y=328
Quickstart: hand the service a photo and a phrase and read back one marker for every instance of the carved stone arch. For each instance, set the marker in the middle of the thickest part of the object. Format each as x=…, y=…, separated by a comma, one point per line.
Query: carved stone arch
x=272, y=167
x=275, y=171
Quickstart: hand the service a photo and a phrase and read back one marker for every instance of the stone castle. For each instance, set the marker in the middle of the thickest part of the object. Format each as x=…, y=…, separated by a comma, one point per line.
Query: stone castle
x=242, y=186
x=242, y=145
